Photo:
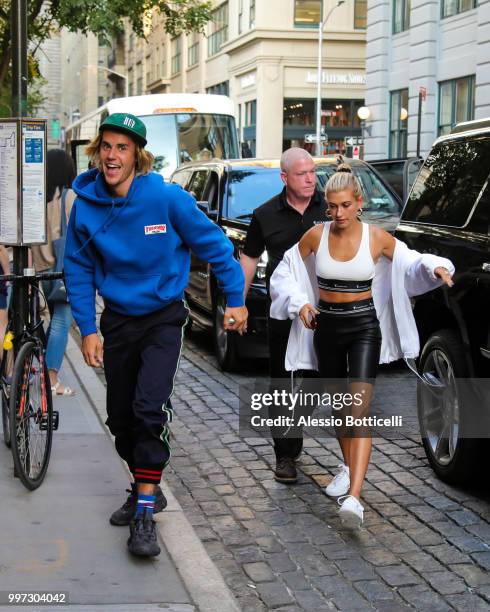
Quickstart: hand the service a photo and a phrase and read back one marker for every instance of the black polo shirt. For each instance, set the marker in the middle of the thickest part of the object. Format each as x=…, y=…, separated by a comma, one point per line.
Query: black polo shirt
x=276, y=227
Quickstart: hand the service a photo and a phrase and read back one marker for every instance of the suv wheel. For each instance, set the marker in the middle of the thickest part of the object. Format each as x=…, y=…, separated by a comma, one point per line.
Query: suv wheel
x=442, y=419
x=225, y=343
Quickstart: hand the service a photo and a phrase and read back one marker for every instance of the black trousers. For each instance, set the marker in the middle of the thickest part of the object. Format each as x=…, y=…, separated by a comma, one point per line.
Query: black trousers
x=278, y=335
x=141, y=356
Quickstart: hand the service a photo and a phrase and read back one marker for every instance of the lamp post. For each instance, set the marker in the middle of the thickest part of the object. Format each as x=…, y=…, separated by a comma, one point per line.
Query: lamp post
x=364, y=112
x=119, y=74
x=321, y=25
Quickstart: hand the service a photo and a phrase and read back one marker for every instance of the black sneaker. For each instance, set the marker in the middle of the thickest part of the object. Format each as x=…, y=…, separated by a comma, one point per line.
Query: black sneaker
x=142, y=540
x=123, y=515
x=285, y=470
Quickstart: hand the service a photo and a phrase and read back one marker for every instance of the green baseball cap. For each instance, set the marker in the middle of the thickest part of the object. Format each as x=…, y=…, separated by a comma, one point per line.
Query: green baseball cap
x=126, y=123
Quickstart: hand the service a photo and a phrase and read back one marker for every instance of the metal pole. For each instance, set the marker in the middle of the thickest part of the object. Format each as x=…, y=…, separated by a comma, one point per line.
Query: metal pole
x=19, y=58
x=321, y=25
x=19, y=109
x=419, y=124
x=318, y=144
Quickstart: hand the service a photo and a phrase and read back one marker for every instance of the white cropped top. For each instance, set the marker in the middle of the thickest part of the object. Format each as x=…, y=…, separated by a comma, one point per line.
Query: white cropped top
x=353, y=276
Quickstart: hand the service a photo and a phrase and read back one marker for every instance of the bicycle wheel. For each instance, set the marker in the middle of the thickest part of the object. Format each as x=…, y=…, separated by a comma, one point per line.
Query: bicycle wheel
x=31, y=415
x=6, y=371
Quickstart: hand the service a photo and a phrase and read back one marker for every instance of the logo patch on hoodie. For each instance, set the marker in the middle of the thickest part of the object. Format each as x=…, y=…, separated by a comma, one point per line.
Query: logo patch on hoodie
x=161, y=228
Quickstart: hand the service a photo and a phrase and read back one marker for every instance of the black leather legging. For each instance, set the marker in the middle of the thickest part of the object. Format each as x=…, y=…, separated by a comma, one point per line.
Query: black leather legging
x=347, y=343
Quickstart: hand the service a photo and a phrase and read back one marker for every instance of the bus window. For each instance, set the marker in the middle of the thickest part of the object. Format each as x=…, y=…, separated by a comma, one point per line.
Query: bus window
x=202, y=137
x=162, y=142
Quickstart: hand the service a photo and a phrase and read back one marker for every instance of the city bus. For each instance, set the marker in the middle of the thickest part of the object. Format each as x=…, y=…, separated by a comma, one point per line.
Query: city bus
x=180, y=128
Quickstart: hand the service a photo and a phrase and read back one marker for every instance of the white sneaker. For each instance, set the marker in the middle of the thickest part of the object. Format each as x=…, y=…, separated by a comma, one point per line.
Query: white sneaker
x=340, y=484
x=351, y=511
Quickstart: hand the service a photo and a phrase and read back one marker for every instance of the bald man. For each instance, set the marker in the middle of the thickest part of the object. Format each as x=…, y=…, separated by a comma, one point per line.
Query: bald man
x=275, y=227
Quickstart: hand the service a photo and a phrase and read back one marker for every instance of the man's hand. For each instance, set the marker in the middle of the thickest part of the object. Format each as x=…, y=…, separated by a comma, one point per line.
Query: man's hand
x=92, y=350
x=236, y=319
x=444, y=275
x=307, y=314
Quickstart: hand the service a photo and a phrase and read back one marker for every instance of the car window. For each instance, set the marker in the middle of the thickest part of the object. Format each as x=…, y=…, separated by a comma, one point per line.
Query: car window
x=248, y=188
x=378, y=201
x=449, y=183
x=198, y=184
x=181, y=177
x=211, y=194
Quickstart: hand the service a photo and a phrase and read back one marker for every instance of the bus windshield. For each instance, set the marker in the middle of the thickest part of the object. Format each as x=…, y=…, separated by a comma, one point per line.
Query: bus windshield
x=177, y=138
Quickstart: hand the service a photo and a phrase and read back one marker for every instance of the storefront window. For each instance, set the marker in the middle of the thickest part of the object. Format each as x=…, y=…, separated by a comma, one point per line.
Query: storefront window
x=339, y=121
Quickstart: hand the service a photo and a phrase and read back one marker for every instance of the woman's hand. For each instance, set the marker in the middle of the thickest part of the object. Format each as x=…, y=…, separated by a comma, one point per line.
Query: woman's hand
x=307, y=314
x=444, y=275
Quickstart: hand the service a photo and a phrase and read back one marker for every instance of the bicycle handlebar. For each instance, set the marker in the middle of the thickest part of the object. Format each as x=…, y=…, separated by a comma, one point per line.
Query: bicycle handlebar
x=40, y=276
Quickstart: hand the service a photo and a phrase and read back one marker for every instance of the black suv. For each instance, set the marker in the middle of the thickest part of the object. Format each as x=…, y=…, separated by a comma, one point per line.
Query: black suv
x=228, y=192
x=448, y=214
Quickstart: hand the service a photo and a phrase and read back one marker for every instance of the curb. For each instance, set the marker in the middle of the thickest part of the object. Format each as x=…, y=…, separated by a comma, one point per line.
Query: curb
x=201, y=577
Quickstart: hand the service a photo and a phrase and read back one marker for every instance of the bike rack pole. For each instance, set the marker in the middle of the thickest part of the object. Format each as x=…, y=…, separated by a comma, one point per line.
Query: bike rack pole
x=19, y=109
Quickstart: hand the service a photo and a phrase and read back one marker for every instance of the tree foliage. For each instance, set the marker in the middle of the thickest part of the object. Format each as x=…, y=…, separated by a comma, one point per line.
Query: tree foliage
x=104, y=18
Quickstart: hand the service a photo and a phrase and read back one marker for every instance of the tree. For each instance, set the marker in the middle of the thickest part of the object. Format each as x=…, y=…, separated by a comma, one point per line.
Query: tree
x=104, y=18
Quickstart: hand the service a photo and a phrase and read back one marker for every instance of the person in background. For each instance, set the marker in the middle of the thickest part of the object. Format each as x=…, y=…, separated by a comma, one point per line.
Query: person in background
x=4, y=269
x=60, y=174
x=275, y=227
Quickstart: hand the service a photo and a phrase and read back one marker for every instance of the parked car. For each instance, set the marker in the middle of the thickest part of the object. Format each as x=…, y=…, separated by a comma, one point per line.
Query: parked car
x=448, y=214
x=228, y=192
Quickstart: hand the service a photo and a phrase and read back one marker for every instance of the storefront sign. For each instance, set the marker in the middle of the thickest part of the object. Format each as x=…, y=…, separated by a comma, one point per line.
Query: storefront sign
x=248, y=80
x=329, y=78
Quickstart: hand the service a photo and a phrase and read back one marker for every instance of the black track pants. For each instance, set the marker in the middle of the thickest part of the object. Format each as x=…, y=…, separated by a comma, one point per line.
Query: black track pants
x=141, y=356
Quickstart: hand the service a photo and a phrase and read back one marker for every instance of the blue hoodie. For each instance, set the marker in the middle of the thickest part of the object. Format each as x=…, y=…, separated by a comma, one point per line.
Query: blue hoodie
x=136, y=250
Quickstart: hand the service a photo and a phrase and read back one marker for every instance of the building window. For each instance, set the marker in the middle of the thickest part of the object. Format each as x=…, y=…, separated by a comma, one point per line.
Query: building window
x=219, y=29
x=240, y=16
x=163, y=63
x=176, y=55
x=193, y=50
x=222, y=89
x=360, y=14
x=398, y=123
x=456, y=102
x=250, y=113
x=307, y=13
x=139, y=79
x=131, y=42
x=453, y=7
x=252, y=14
x=401, y=15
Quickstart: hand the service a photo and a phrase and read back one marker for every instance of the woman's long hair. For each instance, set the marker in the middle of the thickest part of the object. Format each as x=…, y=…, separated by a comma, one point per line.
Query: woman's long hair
x=60, y=171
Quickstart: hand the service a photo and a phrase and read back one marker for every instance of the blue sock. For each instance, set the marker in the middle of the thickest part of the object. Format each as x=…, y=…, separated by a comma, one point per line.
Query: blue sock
x=146, y=503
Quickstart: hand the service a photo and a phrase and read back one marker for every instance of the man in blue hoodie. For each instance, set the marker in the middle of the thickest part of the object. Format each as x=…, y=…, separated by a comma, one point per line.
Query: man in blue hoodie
x=129, y=238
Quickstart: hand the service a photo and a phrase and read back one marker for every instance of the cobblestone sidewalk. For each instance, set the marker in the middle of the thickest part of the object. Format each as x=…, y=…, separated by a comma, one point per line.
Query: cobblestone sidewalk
x=424, y=544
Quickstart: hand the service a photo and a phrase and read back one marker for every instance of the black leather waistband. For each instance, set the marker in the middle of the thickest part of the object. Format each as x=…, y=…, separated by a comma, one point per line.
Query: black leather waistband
x=343, y=286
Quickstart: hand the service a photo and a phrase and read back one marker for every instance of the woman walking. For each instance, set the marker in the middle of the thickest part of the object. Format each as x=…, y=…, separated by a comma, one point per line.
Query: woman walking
x=60, y=174
x=360, y=279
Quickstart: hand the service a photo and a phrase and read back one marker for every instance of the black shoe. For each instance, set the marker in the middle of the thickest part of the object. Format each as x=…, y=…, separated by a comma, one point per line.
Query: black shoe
x=142, y=540
x=123, y=515
x=285, y=470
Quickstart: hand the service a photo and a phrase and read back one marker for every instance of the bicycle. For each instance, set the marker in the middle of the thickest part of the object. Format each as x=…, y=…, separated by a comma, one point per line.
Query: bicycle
x=27, y=406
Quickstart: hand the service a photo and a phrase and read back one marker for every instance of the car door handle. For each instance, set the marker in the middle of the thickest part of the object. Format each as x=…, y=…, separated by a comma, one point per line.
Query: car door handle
x=485, y=267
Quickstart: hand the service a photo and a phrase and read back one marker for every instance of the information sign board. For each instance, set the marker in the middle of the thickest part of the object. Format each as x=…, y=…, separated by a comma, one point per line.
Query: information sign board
x=22, y=181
